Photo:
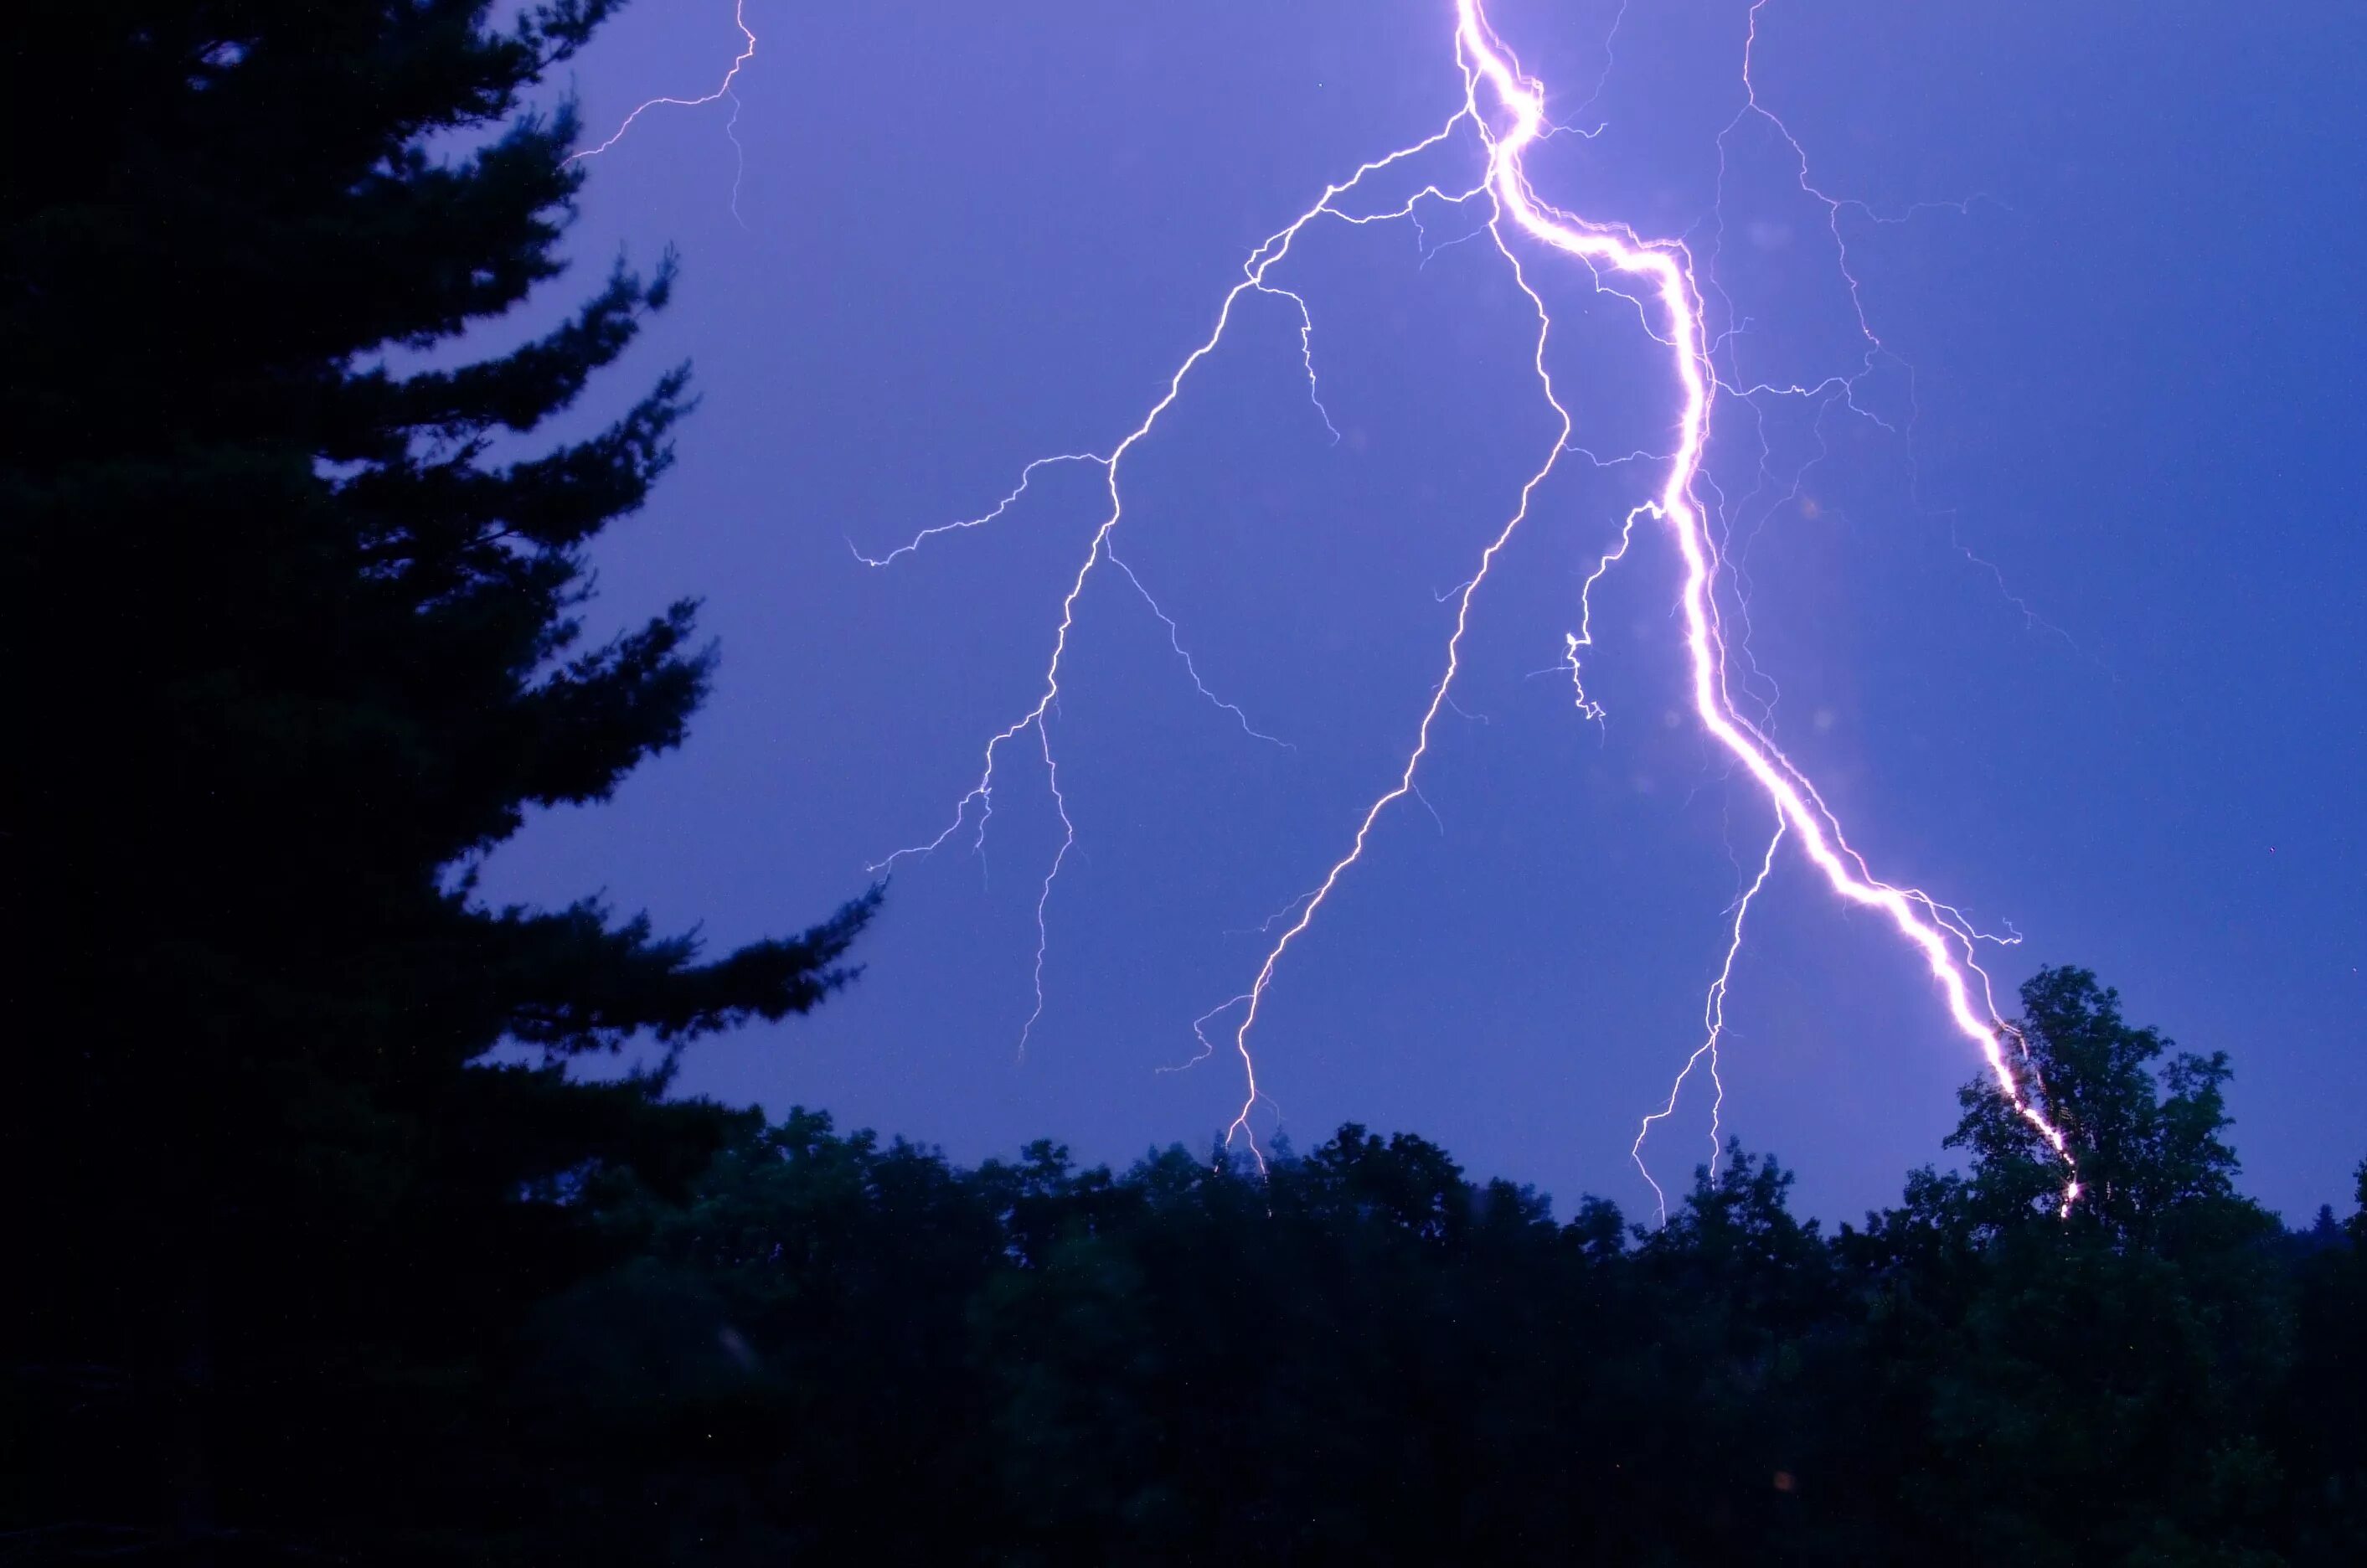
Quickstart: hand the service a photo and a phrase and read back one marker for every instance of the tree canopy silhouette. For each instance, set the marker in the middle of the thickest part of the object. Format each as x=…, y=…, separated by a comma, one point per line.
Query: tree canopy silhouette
x=292, y=636
x=1362, y=1354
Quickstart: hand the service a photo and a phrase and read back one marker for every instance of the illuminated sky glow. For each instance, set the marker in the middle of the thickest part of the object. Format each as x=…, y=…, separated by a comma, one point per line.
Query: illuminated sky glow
x=894, y=343
x=1664, y=271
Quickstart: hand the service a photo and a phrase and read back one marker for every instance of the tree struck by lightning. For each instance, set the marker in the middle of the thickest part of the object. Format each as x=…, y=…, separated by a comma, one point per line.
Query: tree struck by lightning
x=1501, y=117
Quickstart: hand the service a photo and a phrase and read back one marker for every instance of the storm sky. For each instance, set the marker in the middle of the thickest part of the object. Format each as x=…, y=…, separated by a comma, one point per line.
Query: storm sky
x=2066, y=616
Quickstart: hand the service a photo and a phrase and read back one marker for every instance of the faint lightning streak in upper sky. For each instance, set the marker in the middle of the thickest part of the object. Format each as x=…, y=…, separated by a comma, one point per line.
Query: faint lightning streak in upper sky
x=722, y=89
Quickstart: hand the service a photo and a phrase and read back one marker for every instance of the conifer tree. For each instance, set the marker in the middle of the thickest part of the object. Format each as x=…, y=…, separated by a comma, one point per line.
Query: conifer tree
x=291, y=641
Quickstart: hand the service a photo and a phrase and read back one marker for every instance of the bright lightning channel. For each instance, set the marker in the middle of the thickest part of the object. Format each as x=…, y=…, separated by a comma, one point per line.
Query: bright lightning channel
x=1511, y=120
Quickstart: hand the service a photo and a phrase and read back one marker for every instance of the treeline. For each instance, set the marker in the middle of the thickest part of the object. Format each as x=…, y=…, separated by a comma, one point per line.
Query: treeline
x=838, y=1346
x=826, y=1347
x=302, y=1267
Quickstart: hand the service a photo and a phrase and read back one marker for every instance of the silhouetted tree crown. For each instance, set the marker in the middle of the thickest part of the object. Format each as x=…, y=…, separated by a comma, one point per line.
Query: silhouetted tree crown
x=2145, y=1152
x=841, y=1346
x=290, y=621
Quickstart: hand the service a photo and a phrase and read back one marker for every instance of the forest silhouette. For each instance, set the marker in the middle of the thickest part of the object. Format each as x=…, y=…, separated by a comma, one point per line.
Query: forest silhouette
x=320, y=1252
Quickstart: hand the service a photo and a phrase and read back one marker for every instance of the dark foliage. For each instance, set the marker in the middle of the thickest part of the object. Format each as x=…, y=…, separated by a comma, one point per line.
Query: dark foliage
x=291, y=637
x=837, y=1348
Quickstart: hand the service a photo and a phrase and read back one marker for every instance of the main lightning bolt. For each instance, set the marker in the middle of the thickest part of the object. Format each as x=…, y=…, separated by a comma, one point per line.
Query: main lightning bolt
x=1504, y=109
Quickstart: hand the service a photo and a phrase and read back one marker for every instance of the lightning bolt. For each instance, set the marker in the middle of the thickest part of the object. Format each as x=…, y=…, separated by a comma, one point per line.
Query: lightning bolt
x=722, y=90
x=1503, y=109
x=1712, y=1029
x=1269, y=254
